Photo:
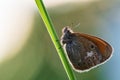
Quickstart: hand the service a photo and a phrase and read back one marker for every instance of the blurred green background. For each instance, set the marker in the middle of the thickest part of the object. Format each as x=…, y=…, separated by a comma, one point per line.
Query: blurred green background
x=38, y=59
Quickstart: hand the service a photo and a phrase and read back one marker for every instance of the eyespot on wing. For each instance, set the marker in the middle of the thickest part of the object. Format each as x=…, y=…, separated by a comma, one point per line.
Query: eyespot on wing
x=104, y=47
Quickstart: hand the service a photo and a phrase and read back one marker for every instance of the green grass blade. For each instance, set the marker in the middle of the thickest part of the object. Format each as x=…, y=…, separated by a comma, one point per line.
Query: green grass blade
x=55, y=40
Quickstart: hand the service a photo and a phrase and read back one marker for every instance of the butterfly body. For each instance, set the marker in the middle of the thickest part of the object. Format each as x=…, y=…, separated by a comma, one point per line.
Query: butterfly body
x=84, y=51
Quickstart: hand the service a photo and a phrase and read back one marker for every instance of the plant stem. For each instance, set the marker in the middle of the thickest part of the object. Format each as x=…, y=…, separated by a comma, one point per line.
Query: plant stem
x=54, y=38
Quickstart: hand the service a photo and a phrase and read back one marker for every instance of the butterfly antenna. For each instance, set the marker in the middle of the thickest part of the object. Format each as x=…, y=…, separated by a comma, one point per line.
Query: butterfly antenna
x=77, y=25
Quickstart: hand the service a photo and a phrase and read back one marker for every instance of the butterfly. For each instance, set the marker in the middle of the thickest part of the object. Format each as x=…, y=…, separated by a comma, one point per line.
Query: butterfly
x=84, y=51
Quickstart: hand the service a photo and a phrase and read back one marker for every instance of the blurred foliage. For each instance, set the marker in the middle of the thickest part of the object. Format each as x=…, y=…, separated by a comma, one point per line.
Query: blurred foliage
x=38, y=59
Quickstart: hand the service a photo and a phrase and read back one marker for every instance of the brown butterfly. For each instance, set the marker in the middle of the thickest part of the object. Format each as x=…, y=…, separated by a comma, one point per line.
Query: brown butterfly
x=84, y=51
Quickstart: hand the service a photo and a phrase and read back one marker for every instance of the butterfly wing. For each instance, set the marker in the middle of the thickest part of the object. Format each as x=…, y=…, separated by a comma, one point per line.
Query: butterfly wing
x=103, y=46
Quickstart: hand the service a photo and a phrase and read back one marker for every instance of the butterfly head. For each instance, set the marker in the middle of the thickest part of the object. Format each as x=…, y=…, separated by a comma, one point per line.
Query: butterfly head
x=67, y=35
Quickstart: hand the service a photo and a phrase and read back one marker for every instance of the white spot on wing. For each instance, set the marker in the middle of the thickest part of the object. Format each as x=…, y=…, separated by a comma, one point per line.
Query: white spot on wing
x=89, y=54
